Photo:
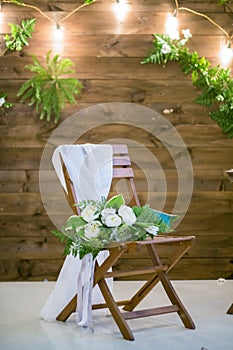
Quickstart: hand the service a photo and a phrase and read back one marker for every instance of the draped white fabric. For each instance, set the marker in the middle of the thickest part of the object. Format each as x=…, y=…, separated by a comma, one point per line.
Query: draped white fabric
x=90, y=169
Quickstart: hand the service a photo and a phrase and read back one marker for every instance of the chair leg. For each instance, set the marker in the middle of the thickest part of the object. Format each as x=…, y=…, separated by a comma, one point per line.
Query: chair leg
x=171, y=293
x=116, y=314
x=182, y=312
x=230, y=310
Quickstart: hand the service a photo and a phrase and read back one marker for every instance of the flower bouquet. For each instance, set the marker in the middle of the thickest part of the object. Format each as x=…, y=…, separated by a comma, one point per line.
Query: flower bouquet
x=105, y=221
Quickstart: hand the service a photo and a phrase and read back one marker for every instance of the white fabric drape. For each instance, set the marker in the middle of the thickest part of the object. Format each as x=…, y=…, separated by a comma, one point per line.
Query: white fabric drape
x=90, y=169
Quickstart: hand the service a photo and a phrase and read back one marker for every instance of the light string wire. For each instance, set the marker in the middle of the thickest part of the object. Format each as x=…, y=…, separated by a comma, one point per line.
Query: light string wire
x=229, y=37
x=44, y=14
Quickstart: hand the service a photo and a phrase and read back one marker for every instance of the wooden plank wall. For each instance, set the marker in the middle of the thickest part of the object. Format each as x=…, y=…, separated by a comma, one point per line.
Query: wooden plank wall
x=107, y=58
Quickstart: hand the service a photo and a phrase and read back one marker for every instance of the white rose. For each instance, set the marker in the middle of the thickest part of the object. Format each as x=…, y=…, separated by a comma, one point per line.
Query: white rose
x=92, y=229
x=127, y=214
x=105, y=212
x=90, y=213
x=153, y=230
x=2, y=101
x=113, y=220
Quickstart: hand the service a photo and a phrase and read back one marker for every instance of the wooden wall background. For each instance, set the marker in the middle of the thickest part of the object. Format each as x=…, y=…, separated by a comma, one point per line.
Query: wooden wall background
x=107, y=61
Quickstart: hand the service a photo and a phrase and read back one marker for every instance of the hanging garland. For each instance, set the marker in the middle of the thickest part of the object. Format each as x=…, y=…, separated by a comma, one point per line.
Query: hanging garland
x=215, y=83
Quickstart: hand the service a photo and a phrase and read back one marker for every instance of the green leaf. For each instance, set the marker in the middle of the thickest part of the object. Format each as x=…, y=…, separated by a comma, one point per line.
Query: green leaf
x=115, y=202
x=19, y=34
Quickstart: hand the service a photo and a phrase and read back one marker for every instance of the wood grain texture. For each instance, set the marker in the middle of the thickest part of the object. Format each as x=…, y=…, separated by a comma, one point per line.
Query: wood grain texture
x=107, y=59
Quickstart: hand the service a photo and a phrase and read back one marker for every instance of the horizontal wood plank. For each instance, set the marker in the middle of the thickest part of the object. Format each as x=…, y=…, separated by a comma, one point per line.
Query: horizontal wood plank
x=204, y=180
x=37, y=136
x=31, y=204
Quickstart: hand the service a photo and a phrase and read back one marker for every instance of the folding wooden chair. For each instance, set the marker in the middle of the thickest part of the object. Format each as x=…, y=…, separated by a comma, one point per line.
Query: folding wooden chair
x=157, y=272
x=230, y=176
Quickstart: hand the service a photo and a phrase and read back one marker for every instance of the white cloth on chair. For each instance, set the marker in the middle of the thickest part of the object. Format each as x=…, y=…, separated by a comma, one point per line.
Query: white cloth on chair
x=90, y=169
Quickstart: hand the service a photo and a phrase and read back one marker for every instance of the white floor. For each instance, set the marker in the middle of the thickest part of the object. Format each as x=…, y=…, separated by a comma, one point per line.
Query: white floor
x=206, y=301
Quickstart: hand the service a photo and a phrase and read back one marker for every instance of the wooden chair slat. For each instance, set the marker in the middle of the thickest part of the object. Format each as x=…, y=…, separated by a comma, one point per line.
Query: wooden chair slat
x=120, y=149
x=122, y=172
x=125, y=160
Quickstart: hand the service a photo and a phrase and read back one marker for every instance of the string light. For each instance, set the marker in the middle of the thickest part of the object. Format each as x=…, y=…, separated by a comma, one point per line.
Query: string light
x=58, y=33
x=172, y=25
x=121, y=9
x=43, y=13
x=1, y=15
x=226, y=54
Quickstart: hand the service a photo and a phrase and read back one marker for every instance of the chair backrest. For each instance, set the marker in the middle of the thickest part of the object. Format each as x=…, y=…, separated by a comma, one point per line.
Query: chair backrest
x=122, y=169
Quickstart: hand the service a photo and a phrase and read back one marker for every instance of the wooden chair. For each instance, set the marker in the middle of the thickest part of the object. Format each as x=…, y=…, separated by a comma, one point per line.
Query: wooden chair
x=230, y=176
x=157, y=272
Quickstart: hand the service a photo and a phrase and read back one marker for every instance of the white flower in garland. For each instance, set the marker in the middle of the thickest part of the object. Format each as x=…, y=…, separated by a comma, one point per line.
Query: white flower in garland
x=166, y=48
x=154, y=230
x=186, y=33
x=113, y=220
x=92, y=229
x=106, y=212
x=90, y=213
x=2, y=101
x=127, y=215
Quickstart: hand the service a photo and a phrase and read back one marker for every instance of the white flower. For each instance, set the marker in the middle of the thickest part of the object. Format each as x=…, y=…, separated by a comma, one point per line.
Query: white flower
x=186, y=33
x=2, y=101
x=113, y=220
x=153, y=230
x=127, y=214
x=166, y=48
x=105, y=212
x=90, y=213
x=92, y=229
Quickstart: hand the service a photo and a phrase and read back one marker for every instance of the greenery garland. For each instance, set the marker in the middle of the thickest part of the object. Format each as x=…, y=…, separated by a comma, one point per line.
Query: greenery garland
x=216, y=84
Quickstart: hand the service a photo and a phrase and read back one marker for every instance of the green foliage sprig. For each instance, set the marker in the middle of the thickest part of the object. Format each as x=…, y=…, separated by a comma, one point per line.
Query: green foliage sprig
x=223, y=2
x=216, y=84
x=19, y=35
x=48, y=89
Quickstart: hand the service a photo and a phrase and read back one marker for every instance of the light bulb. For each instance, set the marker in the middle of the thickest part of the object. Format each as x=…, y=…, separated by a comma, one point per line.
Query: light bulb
x=58, y=33
x=1, y=16
x=226, y=54
x=172, y=26
x=121, y=9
